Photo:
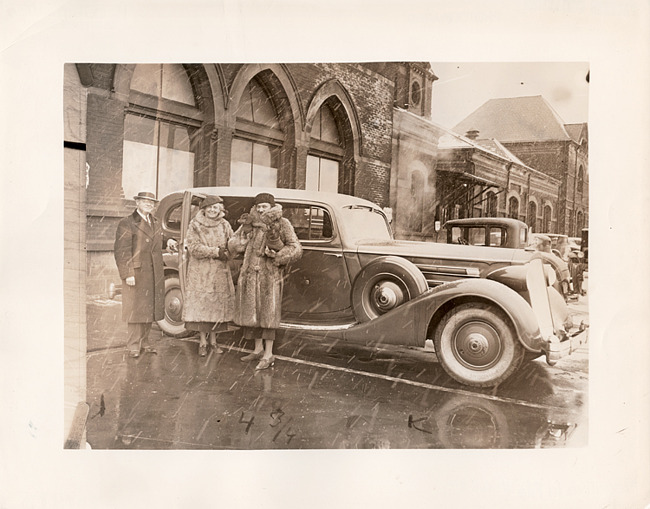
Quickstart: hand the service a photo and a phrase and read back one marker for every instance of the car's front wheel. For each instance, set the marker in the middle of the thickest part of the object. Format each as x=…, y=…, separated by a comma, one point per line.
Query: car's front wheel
x=384, y=284
x=173, y=325
x=476, y=345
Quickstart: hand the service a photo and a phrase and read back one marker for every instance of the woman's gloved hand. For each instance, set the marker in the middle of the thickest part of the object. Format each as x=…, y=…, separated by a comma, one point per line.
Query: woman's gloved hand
x=223, y=254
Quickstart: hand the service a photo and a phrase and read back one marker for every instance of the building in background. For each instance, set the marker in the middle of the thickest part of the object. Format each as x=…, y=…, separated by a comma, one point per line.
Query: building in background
x=358, y=128
x=482, y=178
x=534, y=133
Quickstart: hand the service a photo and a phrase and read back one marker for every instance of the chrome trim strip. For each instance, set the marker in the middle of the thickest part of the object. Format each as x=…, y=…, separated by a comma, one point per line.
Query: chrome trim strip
x=316, y=328
x=449, y=270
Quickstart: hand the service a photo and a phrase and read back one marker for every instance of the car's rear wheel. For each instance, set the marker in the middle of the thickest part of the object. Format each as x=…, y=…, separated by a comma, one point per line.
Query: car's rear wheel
x=173, y=325
x=476, y=345
x=383, y=285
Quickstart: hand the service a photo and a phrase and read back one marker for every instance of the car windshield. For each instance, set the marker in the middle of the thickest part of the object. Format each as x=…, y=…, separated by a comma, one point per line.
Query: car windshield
x=361, y=222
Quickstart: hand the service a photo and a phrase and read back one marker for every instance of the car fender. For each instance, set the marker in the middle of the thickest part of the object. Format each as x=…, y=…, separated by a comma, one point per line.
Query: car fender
x=413, y=322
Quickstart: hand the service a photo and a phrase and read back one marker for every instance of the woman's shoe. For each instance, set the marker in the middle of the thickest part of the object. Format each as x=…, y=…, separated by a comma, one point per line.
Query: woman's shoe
x=216, y=348
x=266, y=363
x=203, y=350
x=252, y=356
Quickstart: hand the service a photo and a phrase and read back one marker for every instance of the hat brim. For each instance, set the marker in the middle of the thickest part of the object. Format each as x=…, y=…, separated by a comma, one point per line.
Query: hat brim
x=145, y=198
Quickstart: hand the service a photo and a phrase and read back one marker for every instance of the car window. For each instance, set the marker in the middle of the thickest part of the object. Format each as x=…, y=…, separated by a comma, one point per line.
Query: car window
x=360, y=222
x=309, y=222
x=476, y=236
x=497, y=237
x=172, y=219
x=468, y=235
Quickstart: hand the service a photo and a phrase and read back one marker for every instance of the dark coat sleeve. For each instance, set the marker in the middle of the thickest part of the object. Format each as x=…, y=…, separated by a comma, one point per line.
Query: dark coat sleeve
x=123, y=248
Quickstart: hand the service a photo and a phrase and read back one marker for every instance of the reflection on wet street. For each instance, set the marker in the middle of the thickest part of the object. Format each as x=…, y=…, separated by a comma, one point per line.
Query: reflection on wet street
x=321, y=394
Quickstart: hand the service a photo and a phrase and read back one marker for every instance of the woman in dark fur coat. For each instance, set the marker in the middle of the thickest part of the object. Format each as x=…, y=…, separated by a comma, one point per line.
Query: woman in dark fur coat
x=268, y=242
x=209, y=293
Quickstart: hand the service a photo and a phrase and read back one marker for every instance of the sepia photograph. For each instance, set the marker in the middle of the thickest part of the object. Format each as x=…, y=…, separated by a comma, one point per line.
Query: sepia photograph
x=325, y=254
x=388, y=281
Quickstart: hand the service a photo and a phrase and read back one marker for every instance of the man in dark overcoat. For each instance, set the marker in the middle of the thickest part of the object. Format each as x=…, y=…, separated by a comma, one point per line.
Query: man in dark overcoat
x=138, y=254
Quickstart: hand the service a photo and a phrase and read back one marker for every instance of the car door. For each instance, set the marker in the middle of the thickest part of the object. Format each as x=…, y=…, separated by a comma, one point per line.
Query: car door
x=317, y=287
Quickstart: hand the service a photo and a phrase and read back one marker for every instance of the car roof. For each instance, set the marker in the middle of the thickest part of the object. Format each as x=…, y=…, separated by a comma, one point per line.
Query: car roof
x=482, y=221
x=553, y=235
x=333, y=199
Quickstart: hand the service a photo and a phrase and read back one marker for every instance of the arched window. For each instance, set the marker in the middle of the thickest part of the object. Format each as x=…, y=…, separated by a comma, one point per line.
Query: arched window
x=325, y=152
x=417, y=201
x=513, y=208
x=491, y=204
x=581, y=178
x=258, y=138
x=580, y=222
x=532, y=215
x=547, y=218
x=160, y=121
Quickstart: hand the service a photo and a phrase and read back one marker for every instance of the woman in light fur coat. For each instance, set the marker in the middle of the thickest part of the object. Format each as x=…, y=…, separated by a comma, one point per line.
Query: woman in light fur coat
x=209, y=290
x=268, y=242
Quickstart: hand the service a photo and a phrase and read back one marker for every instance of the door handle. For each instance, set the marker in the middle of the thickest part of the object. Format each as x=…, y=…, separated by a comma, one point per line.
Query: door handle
x=338, y=255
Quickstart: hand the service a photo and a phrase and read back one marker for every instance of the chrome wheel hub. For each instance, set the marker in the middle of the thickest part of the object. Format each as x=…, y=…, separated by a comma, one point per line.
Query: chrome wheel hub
x=387, y=295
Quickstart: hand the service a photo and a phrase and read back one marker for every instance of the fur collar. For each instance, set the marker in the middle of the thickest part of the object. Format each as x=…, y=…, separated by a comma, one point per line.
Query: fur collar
x=270, y=216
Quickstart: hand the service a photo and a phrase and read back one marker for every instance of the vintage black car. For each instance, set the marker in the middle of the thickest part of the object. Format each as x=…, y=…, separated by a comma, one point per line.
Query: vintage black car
x=486, y=310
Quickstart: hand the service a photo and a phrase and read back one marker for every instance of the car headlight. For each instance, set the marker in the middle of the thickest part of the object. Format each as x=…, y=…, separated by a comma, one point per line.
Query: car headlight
x=551, y=277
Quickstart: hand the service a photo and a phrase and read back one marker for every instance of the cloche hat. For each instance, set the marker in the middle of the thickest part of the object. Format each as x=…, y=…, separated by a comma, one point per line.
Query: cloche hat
x=210, y=200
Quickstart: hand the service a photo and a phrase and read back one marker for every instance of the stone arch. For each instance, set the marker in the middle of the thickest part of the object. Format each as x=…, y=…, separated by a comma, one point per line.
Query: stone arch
x=513, y=195
x=547, y=216
x=280, y=88
x=273, y=75
x=333, y=89
x=207, y=84
x=532, y=211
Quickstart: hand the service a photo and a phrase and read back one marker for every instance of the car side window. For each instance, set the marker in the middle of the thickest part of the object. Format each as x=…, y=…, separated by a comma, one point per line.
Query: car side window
x=477, y=236
x=309, y=222
x=497, y=237
x=172, y=219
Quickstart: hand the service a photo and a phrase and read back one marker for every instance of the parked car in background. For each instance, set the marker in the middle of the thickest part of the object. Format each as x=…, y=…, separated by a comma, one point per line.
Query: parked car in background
x=487, y=310
x=487, y=231
x=559, y=243
x=574, y=243
x=505, y=232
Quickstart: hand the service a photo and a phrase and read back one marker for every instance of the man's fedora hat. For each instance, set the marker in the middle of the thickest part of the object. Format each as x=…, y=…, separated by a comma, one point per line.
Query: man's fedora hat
x=143, y=195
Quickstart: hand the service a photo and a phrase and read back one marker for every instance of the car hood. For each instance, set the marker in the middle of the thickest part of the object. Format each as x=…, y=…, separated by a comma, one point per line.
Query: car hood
x=438, y=251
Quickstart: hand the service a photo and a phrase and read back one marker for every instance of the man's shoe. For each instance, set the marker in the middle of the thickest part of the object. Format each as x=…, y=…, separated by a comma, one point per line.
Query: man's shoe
x=150, y=349
x=252, y=356
x=203, y=350
x=134, y=355
x=216, y=348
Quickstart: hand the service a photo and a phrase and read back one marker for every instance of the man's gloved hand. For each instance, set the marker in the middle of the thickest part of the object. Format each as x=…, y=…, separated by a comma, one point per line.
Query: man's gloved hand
x=273, y=240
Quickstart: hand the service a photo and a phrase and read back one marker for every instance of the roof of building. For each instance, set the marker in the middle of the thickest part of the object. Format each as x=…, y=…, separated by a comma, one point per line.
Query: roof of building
x=516, y=119
x=575, y=131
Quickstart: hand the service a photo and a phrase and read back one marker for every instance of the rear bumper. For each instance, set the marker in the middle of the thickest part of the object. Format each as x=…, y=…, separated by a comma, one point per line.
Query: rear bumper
x=556, y=348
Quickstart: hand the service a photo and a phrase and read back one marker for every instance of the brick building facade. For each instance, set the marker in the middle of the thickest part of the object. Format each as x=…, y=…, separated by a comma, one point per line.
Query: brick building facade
x=163, y=127
x=530, y=129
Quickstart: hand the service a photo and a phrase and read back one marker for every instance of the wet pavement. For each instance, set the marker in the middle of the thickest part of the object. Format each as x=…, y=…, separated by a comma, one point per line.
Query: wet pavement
x=321, y=394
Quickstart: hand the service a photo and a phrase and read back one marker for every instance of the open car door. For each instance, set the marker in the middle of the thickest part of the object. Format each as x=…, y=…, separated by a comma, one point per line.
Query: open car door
x=190, y=208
